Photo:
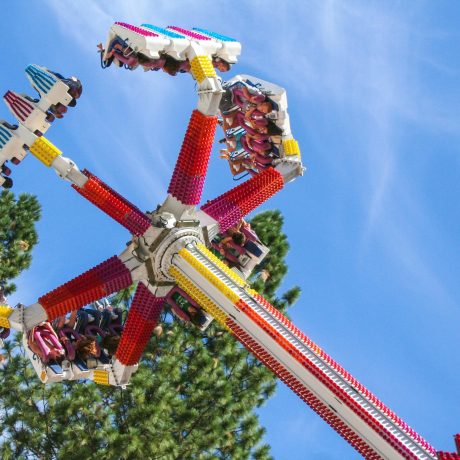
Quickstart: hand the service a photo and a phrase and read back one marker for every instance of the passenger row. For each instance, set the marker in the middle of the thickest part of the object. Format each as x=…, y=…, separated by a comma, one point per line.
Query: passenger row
x=253, y=124
x=155, y=48
x=90, y=336
x=85, y=338
x=186, y=309
x=55, y=94
x=121, y=54
x=239, y=247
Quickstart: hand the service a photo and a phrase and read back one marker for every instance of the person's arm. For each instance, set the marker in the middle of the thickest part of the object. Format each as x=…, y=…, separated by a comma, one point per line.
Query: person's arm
x=72, y=318
x=254, y=98
x=229, y=122
x=226, y=240
x=249, y=112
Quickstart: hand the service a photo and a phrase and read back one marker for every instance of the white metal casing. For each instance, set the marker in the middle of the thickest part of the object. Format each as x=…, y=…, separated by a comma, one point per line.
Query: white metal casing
x=321, y=391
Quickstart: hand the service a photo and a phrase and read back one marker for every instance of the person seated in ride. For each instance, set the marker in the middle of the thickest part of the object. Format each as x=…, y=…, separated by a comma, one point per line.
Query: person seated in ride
x=184, y=66
x=235, y=237
x=242, y=233
x=110, y=343
x=64, y=321
x=226, y=104
x=5, y=170
x=269, y=131
x=261, y=143
x=128, y=58
x=44, y=342
x=73, y=342
x=231, y=247
x=254, y=114
x=238, y=163
x=75, y=87
x=173, y=66
x=241, y=226
x=116, y=43
x=74, y=84
x=261, y=154
x=230, y=120
x=237, y=98
x=121, y=53
x=221, y=64
x=56, y=111
x=274, y=131
x=196, y=316
x=242, y=97
x=257, y=113
x=233, y=140
x=252, y=140
x=5, y=182
x=254, y=146
x=87, y=349
x=150, y=64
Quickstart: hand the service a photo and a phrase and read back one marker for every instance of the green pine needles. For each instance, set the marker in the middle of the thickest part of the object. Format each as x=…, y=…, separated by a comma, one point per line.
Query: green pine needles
x=17, y=236
x=193, y=396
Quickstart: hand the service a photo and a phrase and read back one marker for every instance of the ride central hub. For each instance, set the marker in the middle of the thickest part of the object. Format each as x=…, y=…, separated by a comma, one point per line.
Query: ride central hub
x=158, y=245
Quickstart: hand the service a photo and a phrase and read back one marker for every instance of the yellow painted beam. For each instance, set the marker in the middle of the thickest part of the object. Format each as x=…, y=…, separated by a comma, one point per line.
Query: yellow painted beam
x=5, y=312
x=291, y=147
x=101, y=377
x=201, y=68
x=213, y=279
x=44, y=150
x=229, y=272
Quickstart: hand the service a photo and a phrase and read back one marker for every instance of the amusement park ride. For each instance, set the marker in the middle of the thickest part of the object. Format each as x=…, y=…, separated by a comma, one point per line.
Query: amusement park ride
x=202, y=256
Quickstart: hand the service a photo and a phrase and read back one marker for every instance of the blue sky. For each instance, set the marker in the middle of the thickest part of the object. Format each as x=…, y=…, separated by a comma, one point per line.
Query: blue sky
x=374, y=224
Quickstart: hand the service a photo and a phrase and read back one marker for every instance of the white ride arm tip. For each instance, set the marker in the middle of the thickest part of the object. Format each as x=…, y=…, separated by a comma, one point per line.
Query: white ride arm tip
x=120, y=374
x=25, y=318
x=289, y=169
x=68, y=170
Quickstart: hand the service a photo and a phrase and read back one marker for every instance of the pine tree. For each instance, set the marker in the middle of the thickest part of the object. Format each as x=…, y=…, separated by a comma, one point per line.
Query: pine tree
x=267, y=278
x=17, y=236
x=193, y=396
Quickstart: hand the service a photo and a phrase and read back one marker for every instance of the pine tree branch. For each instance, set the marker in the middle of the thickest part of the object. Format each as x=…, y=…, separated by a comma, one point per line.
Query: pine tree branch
x=45, y=413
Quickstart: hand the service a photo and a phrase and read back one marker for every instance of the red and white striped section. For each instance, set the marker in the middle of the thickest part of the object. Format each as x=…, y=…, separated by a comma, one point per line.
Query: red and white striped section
x=113, y=204
x=143, y=316
x=100, y=281
x=352, y=410
x=20, y=107
x=230, y=207
x=453, y=455
x=192, y=164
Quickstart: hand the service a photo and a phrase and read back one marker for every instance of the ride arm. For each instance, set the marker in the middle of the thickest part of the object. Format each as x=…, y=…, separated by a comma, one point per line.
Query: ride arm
x=47, y=153
x=355, y=413
x=454, y=455
x=187, y=181
x=186, y=185
x=32, y=115
x=226, y=210
x=112, y=275
x=88, y=185
x=143, y=316
x=209, y=86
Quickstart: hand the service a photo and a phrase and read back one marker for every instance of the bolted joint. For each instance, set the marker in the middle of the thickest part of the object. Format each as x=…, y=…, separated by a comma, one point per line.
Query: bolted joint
x=66, y=169
x=175, y=241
